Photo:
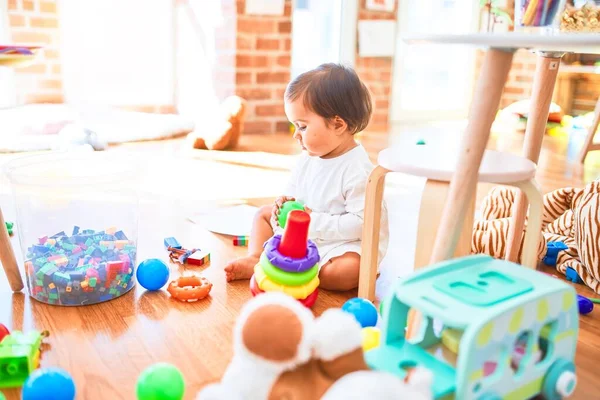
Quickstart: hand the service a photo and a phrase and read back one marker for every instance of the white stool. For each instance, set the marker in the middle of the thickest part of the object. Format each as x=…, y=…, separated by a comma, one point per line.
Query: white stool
x=436, y=162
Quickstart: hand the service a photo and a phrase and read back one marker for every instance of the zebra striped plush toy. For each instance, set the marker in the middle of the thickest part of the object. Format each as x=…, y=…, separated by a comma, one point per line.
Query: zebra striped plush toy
x=571, y=216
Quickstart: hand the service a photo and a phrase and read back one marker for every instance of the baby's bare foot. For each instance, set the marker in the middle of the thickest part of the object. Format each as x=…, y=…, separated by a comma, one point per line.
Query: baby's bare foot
x=242, y=268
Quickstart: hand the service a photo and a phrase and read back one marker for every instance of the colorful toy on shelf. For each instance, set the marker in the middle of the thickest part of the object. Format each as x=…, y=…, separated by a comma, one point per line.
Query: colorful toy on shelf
x=289, y=263
x=280, y=350
x=487, y=306
x=189, y=288
x=3, y=332
x=161, y=381
x=49, y=384
x=241, y=241
x=152, y=274
x=363, y=310
x=86, y=267
x=9, y=227
x=19, y=356
x=285, y=210
x=584, y=304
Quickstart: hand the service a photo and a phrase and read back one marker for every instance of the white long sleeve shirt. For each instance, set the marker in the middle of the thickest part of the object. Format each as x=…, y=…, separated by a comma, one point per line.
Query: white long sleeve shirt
x=334, y=189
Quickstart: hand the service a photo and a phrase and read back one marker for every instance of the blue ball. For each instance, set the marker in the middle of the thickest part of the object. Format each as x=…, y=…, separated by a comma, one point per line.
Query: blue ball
x=49, y=384
x=363, y=310
x=152, y=274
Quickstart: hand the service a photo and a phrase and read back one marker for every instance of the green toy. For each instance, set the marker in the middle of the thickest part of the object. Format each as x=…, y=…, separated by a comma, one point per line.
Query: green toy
x=19, y=357
x=285, y=210
x=9, y=227
x=2, y=396
x=160, y=381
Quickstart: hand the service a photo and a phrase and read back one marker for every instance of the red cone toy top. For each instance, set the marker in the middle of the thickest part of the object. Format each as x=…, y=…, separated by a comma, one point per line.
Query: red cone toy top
x=295, y=237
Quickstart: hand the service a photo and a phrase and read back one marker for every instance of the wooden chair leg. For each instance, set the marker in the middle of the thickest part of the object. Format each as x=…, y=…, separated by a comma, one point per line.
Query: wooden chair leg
x=534, y=223
x=370, y=237
x=494, y=72
x=589, y=139
x=7, y=257
x=433, y=199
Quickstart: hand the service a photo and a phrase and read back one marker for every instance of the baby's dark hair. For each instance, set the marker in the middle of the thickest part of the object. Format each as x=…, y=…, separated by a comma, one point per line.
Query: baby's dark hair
x=334, y=90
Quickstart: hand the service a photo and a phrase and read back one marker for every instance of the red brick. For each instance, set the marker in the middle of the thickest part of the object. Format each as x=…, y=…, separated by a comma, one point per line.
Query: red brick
x=258, y=127
x=56, y=69
x=243, y=78
x=48, y=7
x=287, y=44
x=33, y=69
x=43, y=22
x=51, y=54
x=269, y=110
x=386, y=76
x=382, y=104
x=282, y=127
x=514, y=90
x=51, y=84
x=287, y=11
x=28, y=5
x=255, y=25
x=44, y=98
x=279, y=92
x=284, y=61
x=243, y=60
x=272, y=77
x=13, y=4
x=285, y=27
x=16, y=20
x=33, y=38
x=267, y=44
x=245, y=43
x=254, y=93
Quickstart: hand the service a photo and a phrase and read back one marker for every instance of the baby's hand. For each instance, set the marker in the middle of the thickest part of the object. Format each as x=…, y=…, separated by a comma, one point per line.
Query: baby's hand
x=276, y=207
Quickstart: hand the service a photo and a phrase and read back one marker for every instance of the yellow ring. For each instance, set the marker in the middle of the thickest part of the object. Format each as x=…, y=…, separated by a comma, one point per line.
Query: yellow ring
x=297, y=292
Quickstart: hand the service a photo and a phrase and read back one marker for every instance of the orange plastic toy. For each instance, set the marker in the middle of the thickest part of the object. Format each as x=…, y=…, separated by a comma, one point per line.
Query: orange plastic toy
x=189, y=288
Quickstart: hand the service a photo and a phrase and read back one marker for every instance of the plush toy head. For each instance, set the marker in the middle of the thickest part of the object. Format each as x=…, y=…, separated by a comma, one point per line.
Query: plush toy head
x=282, y=352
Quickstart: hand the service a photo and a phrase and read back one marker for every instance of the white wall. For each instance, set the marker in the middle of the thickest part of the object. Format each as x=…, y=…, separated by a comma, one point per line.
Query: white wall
x=117, y=52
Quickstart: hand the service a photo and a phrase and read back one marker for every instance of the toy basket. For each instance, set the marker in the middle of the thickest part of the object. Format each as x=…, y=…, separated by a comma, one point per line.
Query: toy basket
x=77, y=222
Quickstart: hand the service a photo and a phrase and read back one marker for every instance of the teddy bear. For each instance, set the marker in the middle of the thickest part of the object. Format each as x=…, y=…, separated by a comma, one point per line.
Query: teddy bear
x=281, y=351
x=570, y=215
x=225, y=132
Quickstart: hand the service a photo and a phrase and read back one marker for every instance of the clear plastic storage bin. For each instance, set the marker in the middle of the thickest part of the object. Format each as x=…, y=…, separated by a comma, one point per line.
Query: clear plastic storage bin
x=77, y=221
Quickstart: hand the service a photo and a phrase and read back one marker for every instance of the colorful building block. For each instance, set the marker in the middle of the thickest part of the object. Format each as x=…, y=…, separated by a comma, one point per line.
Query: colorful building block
x=172, y=242
x=240, y=241
x=199, y=258
x=19, y=357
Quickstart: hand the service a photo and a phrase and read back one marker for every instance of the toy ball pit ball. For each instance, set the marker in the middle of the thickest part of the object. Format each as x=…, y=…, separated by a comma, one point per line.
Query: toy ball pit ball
x=363, y=310
x=49, y=384
x=160, y=381
x=152, y=274
x=285, y=210
x=371, y=337
x=3, y=333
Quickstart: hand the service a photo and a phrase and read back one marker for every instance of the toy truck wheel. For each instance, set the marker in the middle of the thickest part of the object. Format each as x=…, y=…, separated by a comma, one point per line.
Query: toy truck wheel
x=560, y=380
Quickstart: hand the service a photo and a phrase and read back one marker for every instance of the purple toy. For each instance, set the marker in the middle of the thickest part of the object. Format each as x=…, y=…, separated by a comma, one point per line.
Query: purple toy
x=290, y=264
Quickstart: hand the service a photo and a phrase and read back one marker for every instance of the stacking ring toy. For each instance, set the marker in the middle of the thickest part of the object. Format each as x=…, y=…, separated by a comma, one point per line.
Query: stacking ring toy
x=287, y=278
x=189, y=288
x=297, y=292
x=290, y=264
x=307, y=302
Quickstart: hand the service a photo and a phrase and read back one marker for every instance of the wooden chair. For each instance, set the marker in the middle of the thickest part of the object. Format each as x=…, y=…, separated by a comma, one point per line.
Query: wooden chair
x=436, y=162
x=589, y=144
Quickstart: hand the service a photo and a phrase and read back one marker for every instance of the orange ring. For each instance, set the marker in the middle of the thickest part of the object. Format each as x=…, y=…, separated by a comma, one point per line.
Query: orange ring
x=189, y=288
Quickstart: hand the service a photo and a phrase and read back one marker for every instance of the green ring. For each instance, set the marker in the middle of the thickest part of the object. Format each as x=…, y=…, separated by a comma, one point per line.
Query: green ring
x=287, y=278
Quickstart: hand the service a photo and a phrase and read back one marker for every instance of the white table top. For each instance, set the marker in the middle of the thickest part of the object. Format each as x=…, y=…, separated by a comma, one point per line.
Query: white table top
x=565, y=42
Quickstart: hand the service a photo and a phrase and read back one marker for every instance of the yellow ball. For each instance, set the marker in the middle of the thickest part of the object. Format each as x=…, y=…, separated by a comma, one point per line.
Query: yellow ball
x=370, y=338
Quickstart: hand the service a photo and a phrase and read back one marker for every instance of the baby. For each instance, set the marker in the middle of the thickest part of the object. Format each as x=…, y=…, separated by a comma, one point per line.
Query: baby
x=328, y=106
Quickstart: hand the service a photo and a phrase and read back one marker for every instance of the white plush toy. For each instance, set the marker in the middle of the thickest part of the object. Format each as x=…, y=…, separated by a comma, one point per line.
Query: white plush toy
x=282, y=352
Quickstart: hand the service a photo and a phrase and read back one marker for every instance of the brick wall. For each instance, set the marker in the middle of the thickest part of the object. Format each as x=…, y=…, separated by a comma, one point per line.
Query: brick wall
x=263, y=60
x=376, y=72
x=35, y=22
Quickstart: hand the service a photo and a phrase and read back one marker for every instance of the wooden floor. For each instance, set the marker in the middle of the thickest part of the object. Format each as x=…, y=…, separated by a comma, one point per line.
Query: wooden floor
x=105, y=347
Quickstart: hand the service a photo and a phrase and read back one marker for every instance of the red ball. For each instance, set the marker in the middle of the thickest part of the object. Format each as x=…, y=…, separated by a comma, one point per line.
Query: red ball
x=3, y=332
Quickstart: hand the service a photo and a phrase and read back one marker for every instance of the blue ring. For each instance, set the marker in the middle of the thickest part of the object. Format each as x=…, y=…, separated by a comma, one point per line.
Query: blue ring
x=290, y=264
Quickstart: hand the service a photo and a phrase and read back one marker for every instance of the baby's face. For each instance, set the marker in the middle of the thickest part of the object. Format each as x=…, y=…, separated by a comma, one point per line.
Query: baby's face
x=312, y=132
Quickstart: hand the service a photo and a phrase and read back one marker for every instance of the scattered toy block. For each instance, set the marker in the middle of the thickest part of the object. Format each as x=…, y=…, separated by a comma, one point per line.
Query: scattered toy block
x=199, y=258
